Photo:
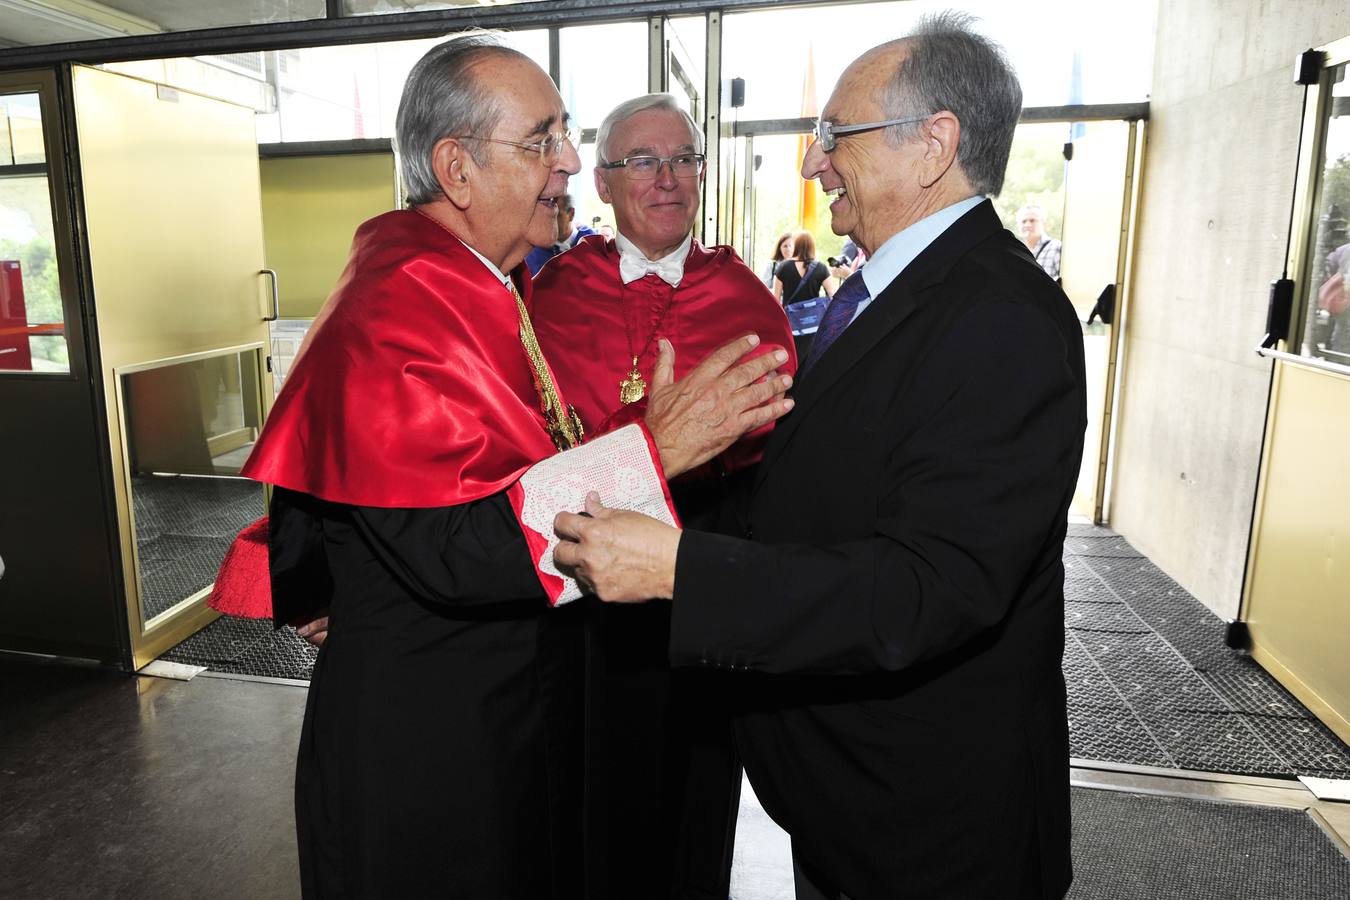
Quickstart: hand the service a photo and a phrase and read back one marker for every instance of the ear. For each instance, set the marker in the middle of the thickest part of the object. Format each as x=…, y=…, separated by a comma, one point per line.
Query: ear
x=602, y=186
x=454, y=169
x=941, y=141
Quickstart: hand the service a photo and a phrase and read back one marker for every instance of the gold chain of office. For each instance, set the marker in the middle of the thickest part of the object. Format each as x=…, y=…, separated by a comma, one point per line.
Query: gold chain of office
x=564, y=426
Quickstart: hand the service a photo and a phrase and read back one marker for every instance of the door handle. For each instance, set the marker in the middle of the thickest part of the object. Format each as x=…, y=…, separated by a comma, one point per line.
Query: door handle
x=276, y=295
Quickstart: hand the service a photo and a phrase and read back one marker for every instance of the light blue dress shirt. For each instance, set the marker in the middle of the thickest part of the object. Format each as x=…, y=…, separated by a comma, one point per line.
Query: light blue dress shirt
x=903, y=247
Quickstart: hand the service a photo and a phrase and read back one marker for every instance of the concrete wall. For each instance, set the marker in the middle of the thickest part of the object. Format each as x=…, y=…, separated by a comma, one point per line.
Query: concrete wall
x=1219, y=170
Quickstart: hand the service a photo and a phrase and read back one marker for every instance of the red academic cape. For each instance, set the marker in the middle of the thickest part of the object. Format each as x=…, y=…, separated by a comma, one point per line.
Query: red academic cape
x=412, y=389
x=591, y=325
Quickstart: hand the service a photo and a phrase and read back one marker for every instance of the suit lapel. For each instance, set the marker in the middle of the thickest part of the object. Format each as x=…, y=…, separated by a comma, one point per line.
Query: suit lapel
x=891, y=307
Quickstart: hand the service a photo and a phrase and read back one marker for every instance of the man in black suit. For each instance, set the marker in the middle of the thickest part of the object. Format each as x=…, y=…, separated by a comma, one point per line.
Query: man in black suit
x=890, y=613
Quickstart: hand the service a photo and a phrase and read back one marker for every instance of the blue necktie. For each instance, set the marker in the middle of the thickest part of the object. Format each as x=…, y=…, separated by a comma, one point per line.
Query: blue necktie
x=837, y=316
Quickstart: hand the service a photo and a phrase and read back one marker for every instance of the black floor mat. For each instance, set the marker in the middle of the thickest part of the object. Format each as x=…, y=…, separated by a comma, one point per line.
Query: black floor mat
x=1139, y=847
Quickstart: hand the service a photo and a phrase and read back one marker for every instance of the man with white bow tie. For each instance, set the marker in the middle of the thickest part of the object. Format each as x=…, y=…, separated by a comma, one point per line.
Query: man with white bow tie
x=667, y=782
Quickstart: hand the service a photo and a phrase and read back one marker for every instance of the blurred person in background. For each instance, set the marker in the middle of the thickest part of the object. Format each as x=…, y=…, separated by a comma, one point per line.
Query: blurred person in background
x=1031, y=228
x=802, y=276
x=782, y=249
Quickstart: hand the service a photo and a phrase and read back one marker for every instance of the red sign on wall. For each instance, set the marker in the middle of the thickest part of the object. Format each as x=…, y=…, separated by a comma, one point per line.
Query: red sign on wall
x=14, y=330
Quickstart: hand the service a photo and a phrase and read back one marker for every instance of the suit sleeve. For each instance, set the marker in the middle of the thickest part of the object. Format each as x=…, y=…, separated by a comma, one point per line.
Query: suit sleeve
x=967, y=503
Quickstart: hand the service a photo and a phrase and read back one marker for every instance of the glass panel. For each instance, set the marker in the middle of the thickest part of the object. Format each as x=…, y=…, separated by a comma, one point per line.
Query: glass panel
x=1035, y=176
x=21, y=130
x=327, y=93
x=1327, y=330
x=590, y=208
x=385, y=7
x=686, y=38
x=1064, y=52
x=52, y=23
x=189, y=428
x=32, y=319
x=601, y=66
x=780, y=197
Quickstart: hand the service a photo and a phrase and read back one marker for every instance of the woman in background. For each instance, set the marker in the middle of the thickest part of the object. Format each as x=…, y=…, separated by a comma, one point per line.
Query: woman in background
x=782, y=249
x=802, y=276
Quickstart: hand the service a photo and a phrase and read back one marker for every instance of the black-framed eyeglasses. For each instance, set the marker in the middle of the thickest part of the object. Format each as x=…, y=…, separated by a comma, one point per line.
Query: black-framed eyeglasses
x=828, y=133
x=645, y=168
x=549, y=149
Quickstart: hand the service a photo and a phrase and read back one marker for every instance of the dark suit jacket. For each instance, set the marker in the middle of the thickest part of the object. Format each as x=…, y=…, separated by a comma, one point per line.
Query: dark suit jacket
x=895, y=618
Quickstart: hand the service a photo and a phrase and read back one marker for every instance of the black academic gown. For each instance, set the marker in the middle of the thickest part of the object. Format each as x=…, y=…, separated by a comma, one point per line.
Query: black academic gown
x=441, y=748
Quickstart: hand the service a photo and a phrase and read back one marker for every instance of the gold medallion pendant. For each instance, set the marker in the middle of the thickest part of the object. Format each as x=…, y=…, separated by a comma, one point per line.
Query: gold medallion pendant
x=633, y=388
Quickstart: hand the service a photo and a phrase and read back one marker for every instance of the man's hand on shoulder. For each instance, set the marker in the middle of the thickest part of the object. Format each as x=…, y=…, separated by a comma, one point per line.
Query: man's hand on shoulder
x=724, y=397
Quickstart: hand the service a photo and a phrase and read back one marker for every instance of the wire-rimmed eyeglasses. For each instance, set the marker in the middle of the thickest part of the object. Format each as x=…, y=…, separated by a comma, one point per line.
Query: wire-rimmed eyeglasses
x=549, y=149
x=828, y=133
x=645, y=168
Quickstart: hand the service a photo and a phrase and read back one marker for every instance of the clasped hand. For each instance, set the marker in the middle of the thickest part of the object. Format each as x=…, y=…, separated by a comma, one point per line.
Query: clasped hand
x=616, y=554
x=626, y=556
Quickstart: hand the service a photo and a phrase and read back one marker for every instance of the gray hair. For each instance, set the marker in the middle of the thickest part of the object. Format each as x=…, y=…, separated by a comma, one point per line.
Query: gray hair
x=951, y=67
x=629, y=108
x=442, y=98
x=1030, y=207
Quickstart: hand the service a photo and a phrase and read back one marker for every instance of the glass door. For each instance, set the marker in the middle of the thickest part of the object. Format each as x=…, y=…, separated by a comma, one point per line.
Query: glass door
x=1298, y=565
x=172, y=205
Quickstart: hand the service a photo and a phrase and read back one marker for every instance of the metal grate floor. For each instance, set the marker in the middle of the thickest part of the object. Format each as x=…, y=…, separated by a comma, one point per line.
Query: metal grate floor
x=235, y=646
x=1150, y=681
x=184, y=525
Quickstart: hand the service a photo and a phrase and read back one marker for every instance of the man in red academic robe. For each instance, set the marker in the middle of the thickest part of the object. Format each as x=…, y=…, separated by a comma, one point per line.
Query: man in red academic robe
x=668, y=780
x=411, y=449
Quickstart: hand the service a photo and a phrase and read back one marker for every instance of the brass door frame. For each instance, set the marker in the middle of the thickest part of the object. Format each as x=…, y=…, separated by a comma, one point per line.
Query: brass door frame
x=151, y=637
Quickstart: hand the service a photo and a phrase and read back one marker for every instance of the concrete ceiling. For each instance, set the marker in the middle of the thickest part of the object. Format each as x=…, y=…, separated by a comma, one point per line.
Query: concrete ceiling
x=30, y=22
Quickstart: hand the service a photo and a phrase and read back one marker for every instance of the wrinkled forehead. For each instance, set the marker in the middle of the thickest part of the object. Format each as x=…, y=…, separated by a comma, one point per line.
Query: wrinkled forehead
x=526, y=96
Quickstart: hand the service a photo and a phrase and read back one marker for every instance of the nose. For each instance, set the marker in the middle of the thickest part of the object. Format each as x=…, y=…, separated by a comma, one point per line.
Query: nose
x=568, y=161
x=665, y=176
x=816, y=161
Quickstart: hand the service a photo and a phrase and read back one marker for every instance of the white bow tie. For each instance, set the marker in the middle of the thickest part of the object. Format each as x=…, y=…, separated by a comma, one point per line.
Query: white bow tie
x=632, y=267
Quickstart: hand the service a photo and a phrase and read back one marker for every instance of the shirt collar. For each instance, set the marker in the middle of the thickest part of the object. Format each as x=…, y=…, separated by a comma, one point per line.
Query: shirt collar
x=902, y=248
x=506, y=281
x=633, y=263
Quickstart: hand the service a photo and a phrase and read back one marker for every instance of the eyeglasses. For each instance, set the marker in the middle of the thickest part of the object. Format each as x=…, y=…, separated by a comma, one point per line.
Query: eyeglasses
x=549, y=149
x=829, y=133
x=645, y=168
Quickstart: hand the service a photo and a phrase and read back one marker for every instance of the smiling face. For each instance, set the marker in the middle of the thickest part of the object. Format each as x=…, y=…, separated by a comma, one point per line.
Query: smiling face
x=515, y=195
x=656, y=215
x=874, y=185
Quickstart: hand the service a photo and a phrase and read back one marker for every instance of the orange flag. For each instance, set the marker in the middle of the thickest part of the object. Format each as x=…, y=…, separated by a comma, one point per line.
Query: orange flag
x=808, y=190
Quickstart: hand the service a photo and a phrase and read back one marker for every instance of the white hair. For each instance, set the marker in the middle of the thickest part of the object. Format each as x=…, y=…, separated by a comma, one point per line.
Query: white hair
x=629, y=108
